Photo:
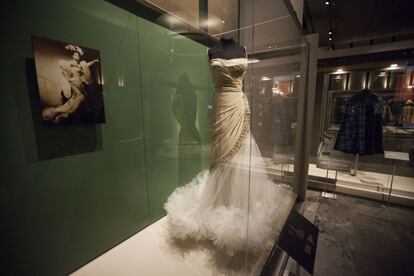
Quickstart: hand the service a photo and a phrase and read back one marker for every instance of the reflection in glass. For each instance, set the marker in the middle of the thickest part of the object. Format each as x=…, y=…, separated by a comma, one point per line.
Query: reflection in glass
x=357, y=80
x=184, y=107
x=337, y=82
x=378, y=80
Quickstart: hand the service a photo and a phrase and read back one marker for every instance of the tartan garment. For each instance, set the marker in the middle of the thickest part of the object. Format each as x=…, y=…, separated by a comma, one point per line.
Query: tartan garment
x=361, y=129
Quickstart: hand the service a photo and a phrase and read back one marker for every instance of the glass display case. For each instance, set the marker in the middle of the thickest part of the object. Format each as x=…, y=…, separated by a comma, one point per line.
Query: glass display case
x=384, y=174
x=273, y=83
x=170, y=113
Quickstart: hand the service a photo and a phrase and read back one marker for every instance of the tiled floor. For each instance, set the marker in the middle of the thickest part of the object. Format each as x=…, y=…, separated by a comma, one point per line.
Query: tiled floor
x=360, y=237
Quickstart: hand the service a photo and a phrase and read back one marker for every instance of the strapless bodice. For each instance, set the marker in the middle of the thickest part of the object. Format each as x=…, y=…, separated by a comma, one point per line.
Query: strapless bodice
x=228, y=74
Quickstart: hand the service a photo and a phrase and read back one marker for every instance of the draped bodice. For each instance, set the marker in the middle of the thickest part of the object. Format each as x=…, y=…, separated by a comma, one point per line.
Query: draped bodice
x=230, y=121
x=228, y=74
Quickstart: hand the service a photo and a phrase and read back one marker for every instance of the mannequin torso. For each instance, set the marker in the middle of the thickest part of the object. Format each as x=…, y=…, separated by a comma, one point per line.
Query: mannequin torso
x=227, y=49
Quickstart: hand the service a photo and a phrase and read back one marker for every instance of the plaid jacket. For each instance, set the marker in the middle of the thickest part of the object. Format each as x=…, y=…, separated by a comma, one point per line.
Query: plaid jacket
x=361, y=129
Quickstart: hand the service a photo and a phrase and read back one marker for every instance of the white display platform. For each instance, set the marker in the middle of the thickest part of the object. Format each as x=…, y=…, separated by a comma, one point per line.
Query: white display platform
x=365, y=184
x=145, y=254
x=396, y=155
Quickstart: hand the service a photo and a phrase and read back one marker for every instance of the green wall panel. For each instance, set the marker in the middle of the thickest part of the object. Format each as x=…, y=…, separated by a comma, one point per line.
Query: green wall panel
x=70, y=193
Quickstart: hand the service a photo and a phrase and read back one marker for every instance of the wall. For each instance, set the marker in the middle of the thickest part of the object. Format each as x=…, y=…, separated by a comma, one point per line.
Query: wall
x=70, y=193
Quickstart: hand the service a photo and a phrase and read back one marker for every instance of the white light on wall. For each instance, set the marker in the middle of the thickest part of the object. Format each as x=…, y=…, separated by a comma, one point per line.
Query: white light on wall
x=339, y=71
x=393, y=67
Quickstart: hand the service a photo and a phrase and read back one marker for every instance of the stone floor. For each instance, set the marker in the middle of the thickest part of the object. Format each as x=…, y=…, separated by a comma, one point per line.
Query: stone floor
x=359, y=237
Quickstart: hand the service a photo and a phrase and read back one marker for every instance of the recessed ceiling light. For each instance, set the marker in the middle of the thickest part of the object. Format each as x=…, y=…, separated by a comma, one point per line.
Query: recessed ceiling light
x=330, y=32
x=327, y=2
x=330, y=38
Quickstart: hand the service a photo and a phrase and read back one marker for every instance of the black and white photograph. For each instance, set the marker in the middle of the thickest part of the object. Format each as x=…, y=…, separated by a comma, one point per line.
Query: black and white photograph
x=69, y=82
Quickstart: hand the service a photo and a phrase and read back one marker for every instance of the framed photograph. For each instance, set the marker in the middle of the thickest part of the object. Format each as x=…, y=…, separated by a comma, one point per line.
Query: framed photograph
x=69, y=81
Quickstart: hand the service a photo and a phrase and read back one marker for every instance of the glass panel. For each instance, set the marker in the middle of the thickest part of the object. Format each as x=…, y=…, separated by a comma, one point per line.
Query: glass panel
x=250, y=196
x=357, y=80
x=177, y=90
x=74, y=192
x=378, y=80
x=377, y=167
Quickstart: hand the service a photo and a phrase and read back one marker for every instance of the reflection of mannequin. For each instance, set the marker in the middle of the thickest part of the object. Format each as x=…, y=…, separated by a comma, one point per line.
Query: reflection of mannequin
x=227, y=48
x=184, y=107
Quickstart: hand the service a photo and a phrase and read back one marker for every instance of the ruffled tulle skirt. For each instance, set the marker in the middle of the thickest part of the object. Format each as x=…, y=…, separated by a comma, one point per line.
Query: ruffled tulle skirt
x=236, y=206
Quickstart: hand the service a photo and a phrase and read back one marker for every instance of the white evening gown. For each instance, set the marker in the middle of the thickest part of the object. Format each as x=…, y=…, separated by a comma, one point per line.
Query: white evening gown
x=234, y=205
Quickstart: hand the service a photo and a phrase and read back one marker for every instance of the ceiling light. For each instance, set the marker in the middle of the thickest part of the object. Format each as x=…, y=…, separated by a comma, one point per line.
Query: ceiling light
x=393, y=67
x=330, y=38
x=327, y=2
x=339, y=71
x=265, y=78
x=330, y=32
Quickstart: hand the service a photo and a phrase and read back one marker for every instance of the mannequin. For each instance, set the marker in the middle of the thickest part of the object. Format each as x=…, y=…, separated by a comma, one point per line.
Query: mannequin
x=227, y=49
x=220, y=207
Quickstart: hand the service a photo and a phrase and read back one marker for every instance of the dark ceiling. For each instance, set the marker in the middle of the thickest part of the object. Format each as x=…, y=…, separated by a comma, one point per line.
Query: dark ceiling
x=357, y=20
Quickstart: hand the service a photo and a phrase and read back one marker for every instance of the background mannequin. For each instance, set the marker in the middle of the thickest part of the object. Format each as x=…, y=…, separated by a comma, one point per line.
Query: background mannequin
x=227, y=48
